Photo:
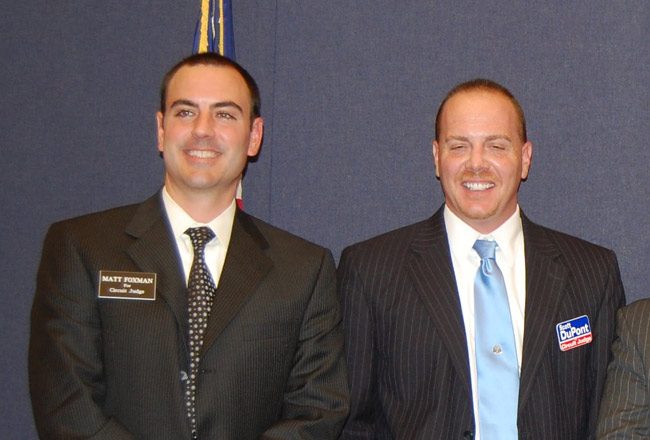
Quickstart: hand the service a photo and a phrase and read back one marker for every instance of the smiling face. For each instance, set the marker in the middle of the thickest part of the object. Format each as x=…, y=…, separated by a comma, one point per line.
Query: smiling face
x=206, y=133
x=480, y=157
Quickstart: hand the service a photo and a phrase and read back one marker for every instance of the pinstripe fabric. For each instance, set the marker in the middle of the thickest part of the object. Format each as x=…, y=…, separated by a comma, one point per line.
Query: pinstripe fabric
x=625, y=408
x=405, y=340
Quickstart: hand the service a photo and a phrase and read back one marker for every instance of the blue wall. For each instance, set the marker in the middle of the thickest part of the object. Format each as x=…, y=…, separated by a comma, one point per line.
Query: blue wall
x=349, y=90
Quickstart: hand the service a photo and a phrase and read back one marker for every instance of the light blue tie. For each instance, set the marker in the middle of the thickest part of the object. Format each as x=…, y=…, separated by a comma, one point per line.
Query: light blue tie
x=496, y=358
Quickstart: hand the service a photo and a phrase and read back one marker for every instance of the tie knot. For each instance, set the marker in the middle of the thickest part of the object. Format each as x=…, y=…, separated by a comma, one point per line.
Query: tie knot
x=200, y=236
x=485, y=248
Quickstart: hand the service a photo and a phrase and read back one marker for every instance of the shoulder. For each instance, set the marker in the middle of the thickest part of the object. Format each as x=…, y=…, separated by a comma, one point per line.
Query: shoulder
x=277, y=241
x=572, y=248
x=99, y=217
x=392, y=244
x=107, y=228
x=100, y=222
x=636, y=313
x=92, y=238
x=633, y=326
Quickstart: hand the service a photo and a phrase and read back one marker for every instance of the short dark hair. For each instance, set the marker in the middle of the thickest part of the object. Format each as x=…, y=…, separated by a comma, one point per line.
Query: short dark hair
x=212, y=59
x=488, y=86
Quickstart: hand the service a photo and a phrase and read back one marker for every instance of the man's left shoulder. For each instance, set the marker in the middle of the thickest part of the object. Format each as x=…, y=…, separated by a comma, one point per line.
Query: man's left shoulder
x=566, y=244
x=276, y=240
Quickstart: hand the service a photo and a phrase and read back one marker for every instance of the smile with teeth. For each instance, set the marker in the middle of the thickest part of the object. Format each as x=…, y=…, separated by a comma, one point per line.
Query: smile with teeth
x=202, y=154
x=478, y=186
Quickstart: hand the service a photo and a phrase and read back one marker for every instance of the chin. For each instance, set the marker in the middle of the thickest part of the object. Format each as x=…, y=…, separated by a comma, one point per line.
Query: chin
x=478, y=213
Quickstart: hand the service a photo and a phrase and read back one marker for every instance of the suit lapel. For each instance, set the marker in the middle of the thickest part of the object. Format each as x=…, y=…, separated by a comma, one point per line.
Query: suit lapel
x=155, y=251
x=545, y=280
x=244, y=268
x=431, y=269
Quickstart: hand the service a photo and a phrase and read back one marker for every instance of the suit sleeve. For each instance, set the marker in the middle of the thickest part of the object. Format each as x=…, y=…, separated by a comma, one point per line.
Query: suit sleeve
x=65, y=357
x=360, y=351
x=625, y=408
x=316, y=400
x=612, y=300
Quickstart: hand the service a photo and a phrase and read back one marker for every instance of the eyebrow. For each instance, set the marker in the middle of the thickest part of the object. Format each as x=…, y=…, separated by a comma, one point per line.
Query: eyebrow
x=456, y=138
x=216, y=105
x=498, y=137
x=494, y=137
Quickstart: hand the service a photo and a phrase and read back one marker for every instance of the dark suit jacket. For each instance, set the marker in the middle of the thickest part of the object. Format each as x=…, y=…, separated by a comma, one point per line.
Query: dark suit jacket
x=406, y=345
x=272, y=361
x=625, y=408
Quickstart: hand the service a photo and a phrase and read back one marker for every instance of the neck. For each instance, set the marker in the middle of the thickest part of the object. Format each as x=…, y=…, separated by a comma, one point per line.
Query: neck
x=202, y=207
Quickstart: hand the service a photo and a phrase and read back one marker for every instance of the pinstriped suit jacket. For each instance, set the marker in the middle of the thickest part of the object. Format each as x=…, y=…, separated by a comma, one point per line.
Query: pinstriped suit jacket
x=406, y=345
x=625, y=409
x=272, y=363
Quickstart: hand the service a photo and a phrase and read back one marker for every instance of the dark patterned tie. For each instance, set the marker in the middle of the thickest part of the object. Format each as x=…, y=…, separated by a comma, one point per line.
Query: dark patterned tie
x=200, y=290
x=496, y=355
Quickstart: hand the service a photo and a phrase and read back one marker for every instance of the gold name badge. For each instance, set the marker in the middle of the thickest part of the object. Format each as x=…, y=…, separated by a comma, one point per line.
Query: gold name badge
x=127, y=285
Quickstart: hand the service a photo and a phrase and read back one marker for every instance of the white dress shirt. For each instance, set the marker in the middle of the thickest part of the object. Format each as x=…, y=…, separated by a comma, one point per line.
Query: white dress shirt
x=215, y=250
x=511, y=260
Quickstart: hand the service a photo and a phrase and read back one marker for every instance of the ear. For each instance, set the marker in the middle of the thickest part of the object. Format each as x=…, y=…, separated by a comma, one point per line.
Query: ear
x=160, y=130
x=436, y=157
x=526, y=159
x=255, y=141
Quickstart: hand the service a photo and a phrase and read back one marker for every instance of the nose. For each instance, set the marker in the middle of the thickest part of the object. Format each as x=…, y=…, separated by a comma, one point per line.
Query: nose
x=476, y=160
x=202, y=125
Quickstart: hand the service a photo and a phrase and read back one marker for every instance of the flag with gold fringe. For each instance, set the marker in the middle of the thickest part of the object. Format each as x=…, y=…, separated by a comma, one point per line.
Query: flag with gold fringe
x=214, y=30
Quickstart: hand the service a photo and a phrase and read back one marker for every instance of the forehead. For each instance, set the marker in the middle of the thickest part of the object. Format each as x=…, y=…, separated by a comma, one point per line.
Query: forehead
x=480, y=111
x=208, y=83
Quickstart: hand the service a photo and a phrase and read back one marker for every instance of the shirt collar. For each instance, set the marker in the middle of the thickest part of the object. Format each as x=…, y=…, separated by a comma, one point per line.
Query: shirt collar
x=180, y=220
x=461, y=236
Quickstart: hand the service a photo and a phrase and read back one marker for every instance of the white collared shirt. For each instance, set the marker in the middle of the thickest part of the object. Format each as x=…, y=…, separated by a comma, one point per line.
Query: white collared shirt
x=215, y=250
x=511, y=260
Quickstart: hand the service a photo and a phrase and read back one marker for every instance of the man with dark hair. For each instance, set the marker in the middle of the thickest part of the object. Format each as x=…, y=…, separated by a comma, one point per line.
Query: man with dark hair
x=477, y=323
x=183, y=317
x=215, y=60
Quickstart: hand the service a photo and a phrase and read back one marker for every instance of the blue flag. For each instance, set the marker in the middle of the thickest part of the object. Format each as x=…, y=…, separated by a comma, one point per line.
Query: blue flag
x=214, y=29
